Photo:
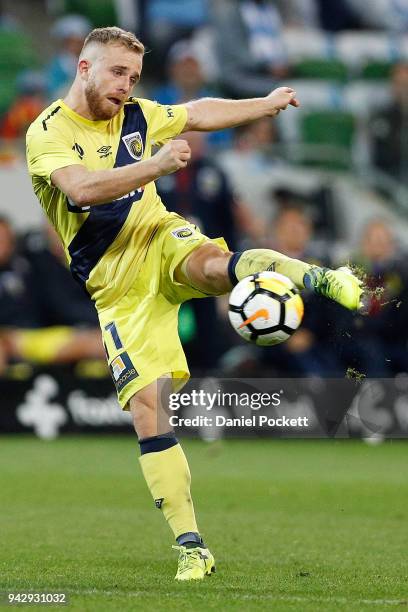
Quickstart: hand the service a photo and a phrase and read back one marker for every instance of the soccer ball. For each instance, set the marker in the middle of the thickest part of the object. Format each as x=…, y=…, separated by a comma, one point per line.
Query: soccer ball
x=265, y=308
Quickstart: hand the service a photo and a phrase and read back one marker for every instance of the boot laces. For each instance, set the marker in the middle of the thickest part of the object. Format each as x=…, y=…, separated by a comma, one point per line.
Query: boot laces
x=332, y=285
x=188, y=557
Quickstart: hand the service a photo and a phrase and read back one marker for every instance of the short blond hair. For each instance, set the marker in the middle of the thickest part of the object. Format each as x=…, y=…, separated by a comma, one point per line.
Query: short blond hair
x=114, y=35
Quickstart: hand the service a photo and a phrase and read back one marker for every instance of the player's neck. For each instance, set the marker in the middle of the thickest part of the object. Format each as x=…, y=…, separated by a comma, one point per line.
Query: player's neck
x=77, y=102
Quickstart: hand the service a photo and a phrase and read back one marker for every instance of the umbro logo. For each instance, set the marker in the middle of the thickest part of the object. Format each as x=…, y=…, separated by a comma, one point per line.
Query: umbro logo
x=104, y=151
x=158, y=502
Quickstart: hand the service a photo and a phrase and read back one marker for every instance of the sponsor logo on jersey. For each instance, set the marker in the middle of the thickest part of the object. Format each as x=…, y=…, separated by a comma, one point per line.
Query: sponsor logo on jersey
x=104, y=151
x=122, y=370
x=131, y=194
x=118, y=367
x=134, y=145
x=182, y=233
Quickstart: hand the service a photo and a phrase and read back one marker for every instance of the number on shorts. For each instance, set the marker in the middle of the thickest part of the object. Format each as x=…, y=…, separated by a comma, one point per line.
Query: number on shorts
x=112, y=329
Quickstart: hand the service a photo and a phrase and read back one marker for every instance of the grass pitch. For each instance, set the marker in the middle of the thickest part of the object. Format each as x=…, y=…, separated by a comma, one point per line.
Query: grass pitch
x=293, y=525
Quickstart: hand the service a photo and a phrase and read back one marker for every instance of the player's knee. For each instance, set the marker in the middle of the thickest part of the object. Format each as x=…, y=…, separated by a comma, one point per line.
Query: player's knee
x=207, y=269
x=149, y=408
x=144, y=415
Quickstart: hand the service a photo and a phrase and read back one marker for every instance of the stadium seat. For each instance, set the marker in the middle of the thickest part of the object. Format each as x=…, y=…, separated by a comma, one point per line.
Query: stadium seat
x=362, y=98
x=303, y=44
x=355, y=49
x=403, y=47
x=328, y=136
x=314, y=95
x=315, y=68
x=100, y=13
x=318, y=93
x=376, y=70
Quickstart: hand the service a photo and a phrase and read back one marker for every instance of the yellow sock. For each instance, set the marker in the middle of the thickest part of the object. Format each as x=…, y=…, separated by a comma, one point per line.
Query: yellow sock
x=259, y=260
x=168, y=477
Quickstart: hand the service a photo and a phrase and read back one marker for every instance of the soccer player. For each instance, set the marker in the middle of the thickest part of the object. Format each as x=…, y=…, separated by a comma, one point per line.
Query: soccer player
x=92, y=168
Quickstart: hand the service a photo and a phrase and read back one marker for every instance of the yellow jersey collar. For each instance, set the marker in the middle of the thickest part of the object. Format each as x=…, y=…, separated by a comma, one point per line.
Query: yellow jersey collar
x=98, y=125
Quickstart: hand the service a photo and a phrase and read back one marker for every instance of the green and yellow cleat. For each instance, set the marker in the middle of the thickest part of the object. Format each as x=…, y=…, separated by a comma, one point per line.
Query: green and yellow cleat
x=339, y=285
x=194, y=563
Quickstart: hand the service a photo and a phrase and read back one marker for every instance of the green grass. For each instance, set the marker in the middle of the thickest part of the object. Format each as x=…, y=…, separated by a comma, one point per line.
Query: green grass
x=294, y=525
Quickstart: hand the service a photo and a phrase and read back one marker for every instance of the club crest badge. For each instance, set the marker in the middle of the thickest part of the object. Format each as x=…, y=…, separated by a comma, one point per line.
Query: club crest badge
x=182, y=232
x=134, y=145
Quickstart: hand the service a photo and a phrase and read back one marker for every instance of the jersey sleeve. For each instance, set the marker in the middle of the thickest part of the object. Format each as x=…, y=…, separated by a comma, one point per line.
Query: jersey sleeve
x=48, y=151
x=164, y=121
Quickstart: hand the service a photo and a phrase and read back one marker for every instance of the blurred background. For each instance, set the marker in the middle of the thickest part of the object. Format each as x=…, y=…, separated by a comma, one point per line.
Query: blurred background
x=313, y=522
x=327, y=183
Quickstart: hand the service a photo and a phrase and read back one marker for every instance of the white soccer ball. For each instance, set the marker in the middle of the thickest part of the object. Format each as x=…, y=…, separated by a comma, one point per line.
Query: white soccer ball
x=265, y=308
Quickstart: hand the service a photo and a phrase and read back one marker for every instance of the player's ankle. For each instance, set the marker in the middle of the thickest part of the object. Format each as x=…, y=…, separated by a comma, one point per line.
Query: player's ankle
x=190, y=539
x=312, y=277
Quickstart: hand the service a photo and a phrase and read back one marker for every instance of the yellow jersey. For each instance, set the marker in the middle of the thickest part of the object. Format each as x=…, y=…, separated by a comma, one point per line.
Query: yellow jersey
x=105, y=244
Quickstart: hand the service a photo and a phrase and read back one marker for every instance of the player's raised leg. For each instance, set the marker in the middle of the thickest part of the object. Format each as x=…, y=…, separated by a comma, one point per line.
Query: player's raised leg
x=215, y=271
x=166, y=471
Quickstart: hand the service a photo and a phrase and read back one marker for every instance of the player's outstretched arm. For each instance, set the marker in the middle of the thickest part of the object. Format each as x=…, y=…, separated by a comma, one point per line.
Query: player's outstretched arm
x=210, y=114
x=88, y=188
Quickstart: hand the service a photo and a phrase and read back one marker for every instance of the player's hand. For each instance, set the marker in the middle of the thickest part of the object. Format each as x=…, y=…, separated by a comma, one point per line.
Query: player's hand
x=280, y=98
x=172, y=156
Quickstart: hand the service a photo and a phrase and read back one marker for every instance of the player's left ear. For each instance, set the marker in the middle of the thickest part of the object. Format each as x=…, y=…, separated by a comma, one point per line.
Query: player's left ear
x=83, y=68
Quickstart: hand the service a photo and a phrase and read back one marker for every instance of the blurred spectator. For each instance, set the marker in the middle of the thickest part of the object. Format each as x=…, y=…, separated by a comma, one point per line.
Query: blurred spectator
x=253, y=169
x=337, y=15
x=293, y=233
x=250, y=46
x=185, y=81
x=201, y=194
x=329, y=15
x=50, y=346
x=59, y=300
x=185, y=78
x=131, y=16
x=172, y=21
x=30, y=102
x=70, y=32
x=309, y=351
x=381, y=14
x=317, y=203
x=302, y=14
x=389, y=128
x=377, y=344
x=16, y=306
x=41, y=309
x=7, y=21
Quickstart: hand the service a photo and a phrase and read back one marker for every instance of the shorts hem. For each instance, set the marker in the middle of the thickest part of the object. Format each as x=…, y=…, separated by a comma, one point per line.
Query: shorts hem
x=188, y=292
x=179, y=378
